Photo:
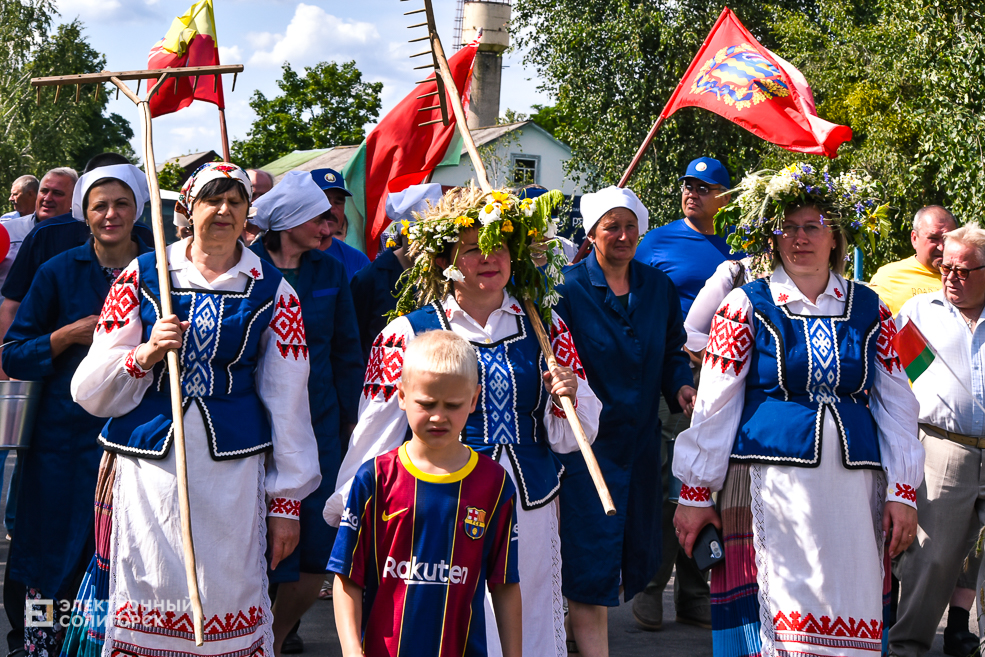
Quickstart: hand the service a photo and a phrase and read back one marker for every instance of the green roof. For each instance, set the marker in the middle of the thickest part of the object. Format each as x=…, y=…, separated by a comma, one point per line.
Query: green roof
x=292, y=160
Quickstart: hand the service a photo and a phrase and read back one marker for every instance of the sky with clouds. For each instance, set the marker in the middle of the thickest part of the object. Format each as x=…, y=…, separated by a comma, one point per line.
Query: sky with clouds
x=262, y=35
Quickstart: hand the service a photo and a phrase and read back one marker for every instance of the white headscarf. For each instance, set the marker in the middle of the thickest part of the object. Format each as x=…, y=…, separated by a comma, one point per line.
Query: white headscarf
x=296, y=199
x=129, y=175
x=594, y=206
x=401, y=205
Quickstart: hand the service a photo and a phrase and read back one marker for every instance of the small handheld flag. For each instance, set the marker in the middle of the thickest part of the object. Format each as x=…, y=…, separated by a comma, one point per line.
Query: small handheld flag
x=914, y=350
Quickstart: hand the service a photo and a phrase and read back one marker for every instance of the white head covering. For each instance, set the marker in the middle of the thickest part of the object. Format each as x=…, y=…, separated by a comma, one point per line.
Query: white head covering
x=296, y=199
x=593, y=206
x=400, y=205
x=127, y=174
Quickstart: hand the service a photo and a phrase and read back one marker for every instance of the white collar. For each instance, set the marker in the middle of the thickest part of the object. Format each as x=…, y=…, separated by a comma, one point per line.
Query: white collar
x=784, y=290
x=510, y=306
x=249, y=263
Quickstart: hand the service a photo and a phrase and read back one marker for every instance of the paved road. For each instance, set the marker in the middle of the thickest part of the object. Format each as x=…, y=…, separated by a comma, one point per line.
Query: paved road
x=625, y=638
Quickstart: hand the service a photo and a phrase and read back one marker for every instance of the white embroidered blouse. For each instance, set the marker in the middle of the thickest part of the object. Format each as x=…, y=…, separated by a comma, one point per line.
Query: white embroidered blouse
x=382, y=425
x=701, y=453
x=110, y=383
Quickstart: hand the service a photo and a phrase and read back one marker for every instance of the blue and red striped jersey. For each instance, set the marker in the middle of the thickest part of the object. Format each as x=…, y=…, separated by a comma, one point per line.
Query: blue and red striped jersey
x=422, y=546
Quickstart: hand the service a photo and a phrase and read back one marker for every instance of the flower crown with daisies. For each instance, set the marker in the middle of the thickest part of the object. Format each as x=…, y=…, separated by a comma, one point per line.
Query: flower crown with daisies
x=847, y=201
x=503, y=220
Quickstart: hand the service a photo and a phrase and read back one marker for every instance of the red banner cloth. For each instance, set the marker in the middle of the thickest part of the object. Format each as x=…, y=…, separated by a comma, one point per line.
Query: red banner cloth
x=191, y=41
x=399, y=153
x=737, y=78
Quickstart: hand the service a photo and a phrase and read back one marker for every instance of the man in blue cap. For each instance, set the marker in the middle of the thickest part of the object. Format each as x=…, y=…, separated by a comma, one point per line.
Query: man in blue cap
x=688, y=251
x=333, y=185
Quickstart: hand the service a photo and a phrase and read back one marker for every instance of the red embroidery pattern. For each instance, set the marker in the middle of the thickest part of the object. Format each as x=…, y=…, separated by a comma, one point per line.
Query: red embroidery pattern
x=838, y=293
x=285, y=506
x=857, y=629
x=906, y=492
x=254, y=273
x=558, y=411
x=515, y=308
x=564, y=348
x=131, y=366
x=730, y=340
x=448, y=313
x=697, y=494
x=123, y=649
x=386, y=363
x=153, y=620
x=885, y=351
x=783, y=298
x=120, y=302
x=289, y=327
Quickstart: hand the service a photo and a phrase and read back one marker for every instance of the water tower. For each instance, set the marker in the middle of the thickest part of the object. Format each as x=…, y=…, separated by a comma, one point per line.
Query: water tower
x=493, y=18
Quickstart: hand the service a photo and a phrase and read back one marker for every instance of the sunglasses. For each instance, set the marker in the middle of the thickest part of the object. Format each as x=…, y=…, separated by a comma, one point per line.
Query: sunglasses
x=960, y=272
x=700, y=190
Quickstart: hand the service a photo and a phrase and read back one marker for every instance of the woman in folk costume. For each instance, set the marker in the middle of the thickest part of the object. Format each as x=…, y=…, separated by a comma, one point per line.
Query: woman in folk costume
x=806, y=427
x=48, y=339
x=251, y=453
x=292, y=214
x=473, y=265
x=626, y=319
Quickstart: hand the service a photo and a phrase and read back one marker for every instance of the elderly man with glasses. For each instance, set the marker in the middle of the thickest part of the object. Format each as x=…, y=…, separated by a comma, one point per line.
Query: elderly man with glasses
x=688, y=251
x=952, y=428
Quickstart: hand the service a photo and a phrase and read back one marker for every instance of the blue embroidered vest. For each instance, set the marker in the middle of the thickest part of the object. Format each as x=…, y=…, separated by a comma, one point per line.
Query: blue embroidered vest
x=510, y=412
x=218, y=364
x=802, y=367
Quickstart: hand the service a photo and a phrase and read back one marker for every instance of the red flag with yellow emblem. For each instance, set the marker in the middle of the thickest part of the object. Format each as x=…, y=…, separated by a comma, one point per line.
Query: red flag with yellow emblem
x=737, y=78
x=191, y=41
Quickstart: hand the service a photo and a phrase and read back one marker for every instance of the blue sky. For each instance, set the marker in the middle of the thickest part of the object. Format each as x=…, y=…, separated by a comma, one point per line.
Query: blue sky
x=264, y=35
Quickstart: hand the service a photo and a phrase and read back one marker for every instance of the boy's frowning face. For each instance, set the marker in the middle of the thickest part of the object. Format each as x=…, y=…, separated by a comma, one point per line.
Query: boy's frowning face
x=437, y=405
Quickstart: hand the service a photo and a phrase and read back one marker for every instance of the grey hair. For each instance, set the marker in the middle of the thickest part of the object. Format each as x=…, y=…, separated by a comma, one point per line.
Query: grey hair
x=68, y=172
x=921, y=214
x=26, y=183
x=970, y=235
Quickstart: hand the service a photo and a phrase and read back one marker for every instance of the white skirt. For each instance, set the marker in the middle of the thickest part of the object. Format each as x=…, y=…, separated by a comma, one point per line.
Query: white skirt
x=148, y=593
x=818, y=539
x=539, y=563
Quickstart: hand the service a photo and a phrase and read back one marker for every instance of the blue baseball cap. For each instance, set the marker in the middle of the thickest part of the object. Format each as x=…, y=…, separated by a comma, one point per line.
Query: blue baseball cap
x=709, y=170
x=331, y=179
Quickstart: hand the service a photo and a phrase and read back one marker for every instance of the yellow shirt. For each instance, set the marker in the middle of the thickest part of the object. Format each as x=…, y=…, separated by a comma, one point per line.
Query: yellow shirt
x=898, y=282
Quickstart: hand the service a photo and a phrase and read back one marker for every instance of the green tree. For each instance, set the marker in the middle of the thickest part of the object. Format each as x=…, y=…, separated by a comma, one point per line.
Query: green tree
x=327, y=106
x=36, y=137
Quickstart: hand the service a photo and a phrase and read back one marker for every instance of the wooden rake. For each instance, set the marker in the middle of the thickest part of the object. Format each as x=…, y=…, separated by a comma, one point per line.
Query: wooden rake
x=443, y=74
x=157, y=223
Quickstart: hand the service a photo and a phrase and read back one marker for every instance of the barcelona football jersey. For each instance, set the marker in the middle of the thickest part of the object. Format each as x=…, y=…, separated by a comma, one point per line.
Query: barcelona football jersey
x=422, y=546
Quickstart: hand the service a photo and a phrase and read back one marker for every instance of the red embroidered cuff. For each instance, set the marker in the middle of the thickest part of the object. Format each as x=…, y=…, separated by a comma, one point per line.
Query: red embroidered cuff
x=132, y=367
x=285, y=507
x=697, y=496
x=558, y=411
x=902, y=493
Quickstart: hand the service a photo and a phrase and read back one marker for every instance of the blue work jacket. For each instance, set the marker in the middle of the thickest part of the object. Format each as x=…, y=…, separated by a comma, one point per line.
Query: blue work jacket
x=58, y=482
x=630, y=355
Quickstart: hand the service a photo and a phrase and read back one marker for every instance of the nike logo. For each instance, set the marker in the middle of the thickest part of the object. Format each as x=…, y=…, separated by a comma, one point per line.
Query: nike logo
x=388, y=516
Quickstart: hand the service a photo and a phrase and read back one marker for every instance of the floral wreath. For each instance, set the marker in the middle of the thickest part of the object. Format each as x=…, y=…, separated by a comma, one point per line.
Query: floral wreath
x=847, y=201
x=503, y=220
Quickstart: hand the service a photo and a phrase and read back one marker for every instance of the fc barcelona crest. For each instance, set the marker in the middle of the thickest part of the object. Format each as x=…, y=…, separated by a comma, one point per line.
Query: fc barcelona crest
x=475, y=522
x=740, y=77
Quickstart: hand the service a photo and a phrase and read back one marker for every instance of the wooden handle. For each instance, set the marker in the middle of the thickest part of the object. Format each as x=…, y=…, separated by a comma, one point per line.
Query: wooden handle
x=569, y=410
x=174, y=371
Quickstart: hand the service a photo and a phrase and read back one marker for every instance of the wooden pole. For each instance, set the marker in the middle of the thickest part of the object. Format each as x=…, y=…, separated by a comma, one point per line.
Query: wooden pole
x=545, y=345
x=174, y=371
x=225, y=136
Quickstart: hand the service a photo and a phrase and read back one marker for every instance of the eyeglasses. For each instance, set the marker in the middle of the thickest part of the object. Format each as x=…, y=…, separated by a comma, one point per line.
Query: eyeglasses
x=700, y=190
x=960, y=272
x=811, y=230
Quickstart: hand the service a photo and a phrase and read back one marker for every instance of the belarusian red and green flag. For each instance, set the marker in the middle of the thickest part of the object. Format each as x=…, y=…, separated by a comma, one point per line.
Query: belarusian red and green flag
x=914, y=350
x=399, y=152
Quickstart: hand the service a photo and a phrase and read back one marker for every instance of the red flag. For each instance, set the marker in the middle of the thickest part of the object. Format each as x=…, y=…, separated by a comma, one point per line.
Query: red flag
x=191, y=41
x=398, y=153
x=735, y=77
